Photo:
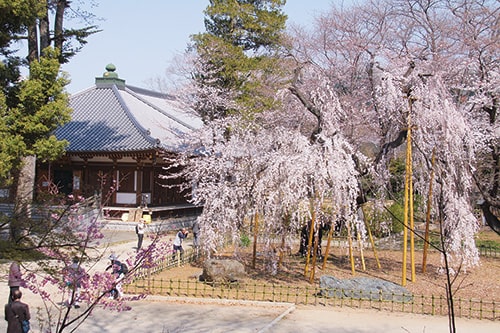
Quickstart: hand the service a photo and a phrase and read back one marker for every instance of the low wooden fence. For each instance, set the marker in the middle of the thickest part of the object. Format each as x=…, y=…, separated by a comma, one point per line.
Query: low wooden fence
x=418, y=304
x=488, y=251
x=145, y=283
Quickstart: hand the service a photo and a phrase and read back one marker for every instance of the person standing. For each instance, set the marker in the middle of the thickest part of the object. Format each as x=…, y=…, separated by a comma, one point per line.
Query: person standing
x=140, y=228
x=15, y=279
x=17, y=313
x=119, y=274
x=196, y=234
x=74, y=275
x=115, y=266
x=181, y=235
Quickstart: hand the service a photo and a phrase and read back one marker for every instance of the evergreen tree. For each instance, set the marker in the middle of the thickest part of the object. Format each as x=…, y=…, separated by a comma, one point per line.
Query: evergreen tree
x=32, y=108
x=238, y=56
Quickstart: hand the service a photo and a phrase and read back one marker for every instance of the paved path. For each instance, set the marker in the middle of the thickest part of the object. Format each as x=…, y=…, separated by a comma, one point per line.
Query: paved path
x=176, y=315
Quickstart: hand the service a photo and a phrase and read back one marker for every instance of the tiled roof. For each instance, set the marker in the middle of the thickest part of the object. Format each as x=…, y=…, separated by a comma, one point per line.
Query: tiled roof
x=109, y=118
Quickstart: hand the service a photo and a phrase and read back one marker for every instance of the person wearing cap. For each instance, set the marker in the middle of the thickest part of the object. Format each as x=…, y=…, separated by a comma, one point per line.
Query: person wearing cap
x=114, y=259
x=115, y=267
x=181, y=235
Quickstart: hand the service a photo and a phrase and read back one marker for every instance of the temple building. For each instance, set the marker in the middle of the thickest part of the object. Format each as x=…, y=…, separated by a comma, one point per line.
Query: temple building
x=117, y=138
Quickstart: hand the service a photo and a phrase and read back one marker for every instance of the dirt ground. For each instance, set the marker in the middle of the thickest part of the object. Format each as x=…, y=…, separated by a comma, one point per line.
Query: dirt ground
x=476, y=283
x=168, y=314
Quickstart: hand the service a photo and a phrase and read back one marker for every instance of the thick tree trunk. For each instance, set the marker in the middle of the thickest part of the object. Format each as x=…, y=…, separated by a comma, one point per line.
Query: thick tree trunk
x=25, y=183
x=32, y=43
x=25, y=186
x=491, y=219
x=44, y=33
x=58, y=24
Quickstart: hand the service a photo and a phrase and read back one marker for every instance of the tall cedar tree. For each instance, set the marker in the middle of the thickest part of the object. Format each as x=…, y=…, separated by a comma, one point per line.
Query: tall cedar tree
x=238, y=53
x=32, y=108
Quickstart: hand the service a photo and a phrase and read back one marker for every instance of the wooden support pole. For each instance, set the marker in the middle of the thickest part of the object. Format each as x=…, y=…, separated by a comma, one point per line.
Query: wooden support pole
x=327, y=251
x=351, y=254
x=360, y=244
x=373, y=245
x=309, y=243
x=255, y=234
x=370, y=236
x=408, y=204
x=428, y=214
x=412, y=224
x=282, y=251
x=315, y=252
x=406, y=201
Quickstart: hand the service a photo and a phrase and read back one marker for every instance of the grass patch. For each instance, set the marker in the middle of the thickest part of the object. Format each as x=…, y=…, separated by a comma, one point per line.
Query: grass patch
x=488, y=239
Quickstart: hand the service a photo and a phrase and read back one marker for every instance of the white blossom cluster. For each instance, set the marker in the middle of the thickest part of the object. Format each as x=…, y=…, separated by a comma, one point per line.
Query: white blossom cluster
x=273, y=173
x=361, y=78
x=439, y=127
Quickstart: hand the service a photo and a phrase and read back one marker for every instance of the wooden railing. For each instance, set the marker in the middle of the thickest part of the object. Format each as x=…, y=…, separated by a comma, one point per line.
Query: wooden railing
x=312, y=295
x=144, y=282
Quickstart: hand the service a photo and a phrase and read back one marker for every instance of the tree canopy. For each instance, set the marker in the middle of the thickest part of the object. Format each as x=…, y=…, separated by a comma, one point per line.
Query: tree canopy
x=237, y=56
x=364, y=75
x=34, y=106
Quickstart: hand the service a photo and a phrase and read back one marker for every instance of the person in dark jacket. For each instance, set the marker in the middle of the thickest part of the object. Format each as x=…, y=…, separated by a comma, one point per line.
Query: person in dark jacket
x=196, y=234
x=16, y=312
x=15, y=279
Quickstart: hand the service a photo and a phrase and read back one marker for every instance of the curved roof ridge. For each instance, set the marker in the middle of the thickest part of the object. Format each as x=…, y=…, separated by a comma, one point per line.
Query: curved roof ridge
x=84, y=91
x=136, y=95
x=150, y=92
x=143, y=131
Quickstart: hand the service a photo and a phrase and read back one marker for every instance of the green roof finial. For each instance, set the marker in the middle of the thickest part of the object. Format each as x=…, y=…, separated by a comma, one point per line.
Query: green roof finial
x=109, y=78
x=110, y=71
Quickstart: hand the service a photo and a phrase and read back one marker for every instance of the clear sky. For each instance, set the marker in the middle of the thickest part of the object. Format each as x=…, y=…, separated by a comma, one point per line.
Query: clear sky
x=141, y=37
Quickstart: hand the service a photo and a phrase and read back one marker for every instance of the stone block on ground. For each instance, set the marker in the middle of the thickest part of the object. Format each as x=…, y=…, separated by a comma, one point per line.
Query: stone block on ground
x=364, y=288
x=222, y=270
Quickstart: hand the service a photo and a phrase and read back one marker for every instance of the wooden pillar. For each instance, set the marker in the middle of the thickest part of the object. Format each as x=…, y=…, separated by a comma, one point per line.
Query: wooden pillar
x=77, y=182
x=116, y=179
x=138, y=184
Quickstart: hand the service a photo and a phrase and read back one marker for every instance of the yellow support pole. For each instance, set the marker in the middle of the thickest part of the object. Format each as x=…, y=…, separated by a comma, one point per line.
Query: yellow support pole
x=408, y=204
x=315, y=252
x=351, y=255
x=255, y=234
x=370, y=236
x=428, y=214
x=327, y=251
x=406, y=200
x=412, y=224
x=360, y=244
x=309, y=243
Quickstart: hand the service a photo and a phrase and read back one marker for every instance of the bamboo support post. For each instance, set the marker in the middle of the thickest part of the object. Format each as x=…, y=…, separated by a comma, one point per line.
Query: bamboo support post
x=428, y=214
x=327, y=250
x=412, y=223
x=351, y=255
x=255, y=234
x=408, y=204
x=282, y=251
x=406, y=201
x=360, y=244
x=372, y=242
x=315, y=251
x=309, y=243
